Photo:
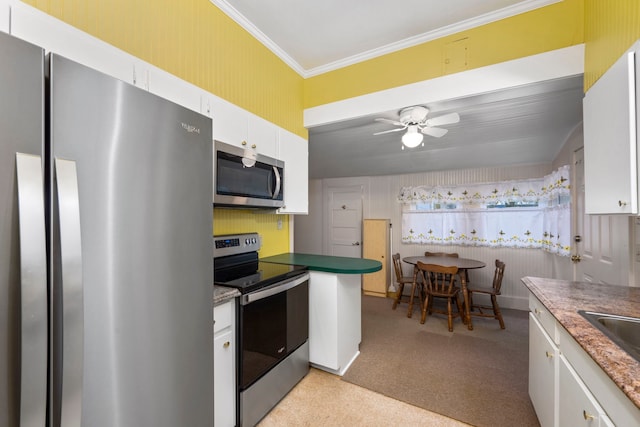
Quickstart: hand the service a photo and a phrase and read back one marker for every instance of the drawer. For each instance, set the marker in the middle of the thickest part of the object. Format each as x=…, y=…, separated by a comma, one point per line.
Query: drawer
x=543, y=316
x=223, y=316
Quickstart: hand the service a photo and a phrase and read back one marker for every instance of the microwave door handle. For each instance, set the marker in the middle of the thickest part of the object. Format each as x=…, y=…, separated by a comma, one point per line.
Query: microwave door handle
x=33, y=290
x=276, y=192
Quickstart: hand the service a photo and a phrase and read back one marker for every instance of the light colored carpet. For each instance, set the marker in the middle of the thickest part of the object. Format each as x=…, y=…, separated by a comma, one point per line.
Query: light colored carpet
x=479, y=377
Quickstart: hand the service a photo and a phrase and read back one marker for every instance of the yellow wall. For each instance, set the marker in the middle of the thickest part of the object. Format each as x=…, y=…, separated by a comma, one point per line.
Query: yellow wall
x=274, y=241
x=611, y=27
x=194, y=40
x=548, y=28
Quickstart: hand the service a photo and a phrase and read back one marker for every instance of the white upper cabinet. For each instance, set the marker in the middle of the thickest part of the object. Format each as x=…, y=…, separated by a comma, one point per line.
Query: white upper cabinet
x=262, y=136
x=169, y=87
x=229, y=122
x=610, y=140
x=294, y=151
x=238, y=127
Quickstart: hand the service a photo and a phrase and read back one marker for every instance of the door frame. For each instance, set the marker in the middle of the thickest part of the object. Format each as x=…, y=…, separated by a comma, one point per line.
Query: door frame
x=340, y=184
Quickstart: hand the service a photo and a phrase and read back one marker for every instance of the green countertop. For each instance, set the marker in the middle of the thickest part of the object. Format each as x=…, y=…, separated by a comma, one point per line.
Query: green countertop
x=329, y=264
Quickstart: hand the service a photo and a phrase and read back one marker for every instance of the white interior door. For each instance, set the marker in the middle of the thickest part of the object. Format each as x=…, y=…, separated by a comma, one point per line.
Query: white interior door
x=603, y=245
x=345, y=221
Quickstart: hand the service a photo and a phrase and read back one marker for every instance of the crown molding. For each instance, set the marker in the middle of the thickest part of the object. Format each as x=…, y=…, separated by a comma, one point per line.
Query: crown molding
x=487, y=18
x=255, y=32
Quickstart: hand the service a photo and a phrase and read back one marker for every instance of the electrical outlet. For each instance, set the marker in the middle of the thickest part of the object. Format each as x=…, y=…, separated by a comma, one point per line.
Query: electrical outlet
x=279, y=224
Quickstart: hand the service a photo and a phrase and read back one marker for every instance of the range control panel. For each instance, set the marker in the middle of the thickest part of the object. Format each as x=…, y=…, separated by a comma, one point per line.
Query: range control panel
x=232, y=244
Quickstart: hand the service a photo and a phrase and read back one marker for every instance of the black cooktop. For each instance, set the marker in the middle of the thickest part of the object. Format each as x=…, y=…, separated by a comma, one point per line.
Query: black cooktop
x=251, y=276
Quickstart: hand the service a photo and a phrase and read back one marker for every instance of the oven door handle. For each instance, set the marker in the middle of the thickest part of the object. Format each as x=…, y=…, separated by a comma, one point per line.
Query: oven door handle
x=267, y=292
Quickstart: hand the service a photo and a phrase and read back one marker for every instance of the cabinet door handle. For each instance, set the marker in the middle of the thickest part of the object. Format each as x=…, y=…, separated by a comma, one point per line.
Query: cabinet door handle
x=621, y=203
x=226, y=344
x=587, y=416
x=549, y=355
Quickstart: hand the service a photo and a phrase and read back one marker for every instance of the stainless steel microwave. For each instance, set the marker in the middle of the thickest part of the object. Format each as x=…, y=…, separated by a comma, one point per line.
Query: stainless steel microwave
x=243, y=178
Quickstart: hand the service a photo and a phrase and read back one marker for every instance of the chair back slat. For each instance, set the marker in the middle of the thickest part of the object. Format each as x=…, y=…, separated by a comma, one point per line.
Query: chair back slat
x=497, y=276
x=449, y=254
x=397, y=266
x=438, y=279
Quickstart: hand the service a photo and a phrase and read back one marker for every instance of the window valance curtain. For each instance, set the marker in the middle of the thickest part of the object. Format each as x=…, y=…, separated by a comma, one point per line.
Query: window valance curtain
x=533, y=213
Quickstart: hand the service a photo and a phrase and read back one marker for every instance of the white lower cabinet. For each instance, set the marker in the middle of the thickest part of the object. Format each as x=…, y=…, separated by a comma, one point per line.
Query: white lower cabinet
x=567, y=388
x=335, y=323
x=578, y=406
x=543, y=366
x=224, y=390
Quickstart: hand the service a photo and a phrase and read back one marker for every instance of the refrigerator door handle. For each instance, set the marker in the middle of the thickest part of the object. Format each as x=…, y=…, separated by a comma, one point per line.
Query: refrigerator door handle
x=71, y=289
x=33, y=290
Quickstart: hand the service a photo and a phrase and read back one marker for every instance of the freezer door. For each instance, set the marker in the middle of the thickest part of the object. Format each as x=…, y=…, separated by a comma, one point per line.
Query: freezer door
x=144, y=168
x=23, y=274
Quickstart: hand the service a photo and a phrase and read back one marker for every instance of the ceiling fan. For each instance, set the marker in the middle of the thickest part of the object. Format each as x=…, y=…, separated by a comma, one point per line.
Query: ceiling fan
x=414, y=120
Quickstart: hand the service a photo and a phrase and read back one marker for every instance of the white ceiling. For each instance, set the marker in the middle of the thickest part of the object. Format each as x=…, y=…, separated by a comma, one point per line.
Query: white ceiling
x=523, y=125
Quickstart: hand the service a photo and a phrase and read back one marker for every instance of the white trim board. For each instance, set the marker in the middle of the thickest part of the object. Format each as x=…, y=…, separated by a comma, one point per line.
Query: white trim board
x=555, y=64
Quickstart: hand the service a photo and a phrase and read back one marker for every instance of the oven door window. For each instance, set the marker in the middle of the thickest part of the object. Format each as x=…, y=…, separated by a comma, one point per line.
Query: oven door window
x=271, y=329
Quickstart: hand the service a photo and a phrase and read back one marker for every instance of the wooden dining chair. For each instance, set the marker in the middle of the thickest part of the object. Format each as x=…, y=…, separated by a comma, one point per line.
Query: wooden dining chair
x=493, y=291
x=439, y=282
x=449, y=254
x=401, y=280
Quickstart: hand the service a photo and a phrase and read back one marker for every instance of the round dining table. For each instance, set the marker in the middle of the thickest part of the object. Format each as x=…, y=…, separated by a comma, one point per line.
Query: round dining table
x=463, y=265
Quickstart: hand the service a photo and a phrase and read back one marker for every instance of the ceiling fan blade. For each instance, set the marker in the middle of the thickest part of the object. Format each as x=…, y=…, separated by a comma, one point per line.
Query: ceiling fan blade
x=445, y=119
x=393, y=122
x=435, y=132
x=388, y=131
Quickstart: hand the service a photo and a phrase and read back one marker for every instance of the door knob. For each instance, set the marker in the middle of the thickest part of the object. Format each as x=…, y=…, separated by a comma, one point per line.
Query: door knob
x=576, y=258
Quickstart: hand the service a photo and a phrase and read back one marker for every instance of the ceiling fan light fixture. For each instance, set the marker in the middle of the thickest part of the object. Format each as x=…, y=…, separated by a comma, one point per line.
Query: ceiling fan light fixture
x=412, y=138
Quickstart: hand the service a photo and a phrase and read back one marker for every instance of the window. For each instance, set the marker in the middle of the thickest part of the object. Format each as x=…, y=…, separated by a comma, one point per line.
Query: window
x=534, y=213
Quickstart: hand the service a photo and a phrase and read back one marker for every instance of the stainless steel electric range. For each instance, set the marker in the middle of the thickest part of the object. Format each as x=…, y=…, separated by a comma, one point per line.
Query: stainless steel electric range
x=272, y=323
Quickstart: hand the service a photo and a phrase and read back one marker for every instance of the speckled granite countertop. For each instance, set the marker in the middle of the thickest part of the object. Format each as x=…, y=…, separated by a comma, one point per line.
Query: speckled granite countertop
x=223, y=294
x=563, y=299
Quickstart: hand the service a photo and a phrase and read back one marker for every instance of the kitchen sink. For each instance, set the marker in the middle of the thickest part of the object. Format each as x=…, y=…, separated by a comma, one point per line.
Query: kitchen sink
x=624, y=331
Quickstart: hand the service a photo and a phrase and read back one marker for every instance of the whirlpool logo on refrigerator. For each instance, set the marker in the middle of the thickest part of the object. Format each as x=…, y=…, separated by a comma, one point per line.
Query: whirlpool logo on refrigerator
x=190, y=128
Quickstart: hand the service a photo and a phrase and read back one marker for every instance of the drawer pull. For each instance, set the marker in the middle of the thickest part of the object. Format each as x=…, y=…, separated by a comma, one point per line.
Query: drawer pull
x=226, y=344
x=587, y=416
x=549, y=355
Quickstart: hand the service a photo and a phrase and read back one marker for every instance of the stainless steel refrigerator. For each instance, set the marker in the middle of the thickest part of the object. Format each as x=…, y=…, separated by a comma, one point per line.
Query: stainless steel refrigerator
x=105, y=250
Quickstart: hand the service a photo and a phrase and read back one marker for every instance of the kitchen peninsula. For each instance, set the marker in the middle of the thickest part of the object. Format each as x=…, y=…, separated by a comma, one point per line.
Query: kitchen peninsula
x=335, y=327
